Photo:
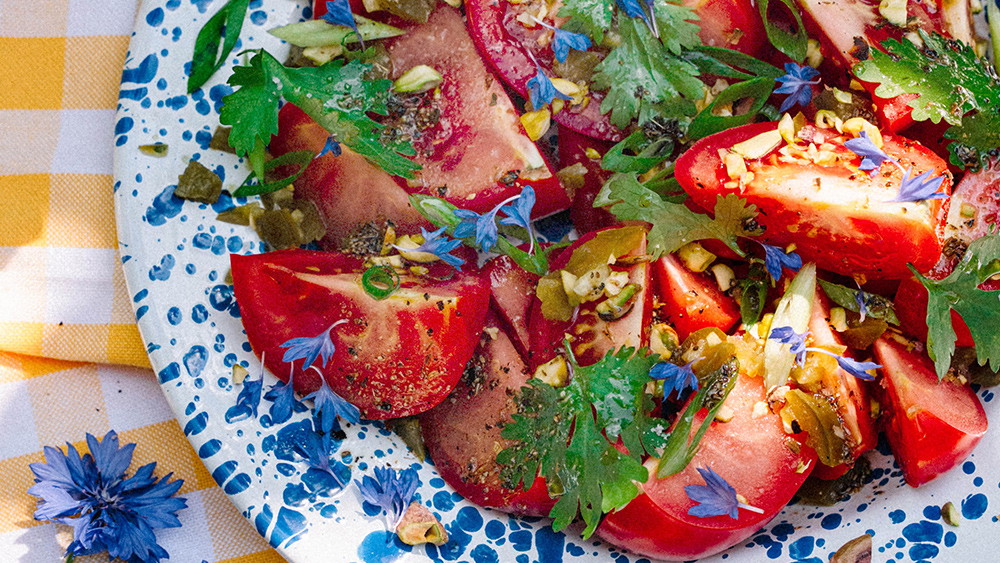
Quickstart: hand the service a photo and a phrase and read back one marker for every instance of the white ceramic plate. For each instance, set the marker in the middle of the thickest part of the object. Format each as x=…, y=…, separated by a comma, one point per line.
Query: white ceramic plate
x=175, y=256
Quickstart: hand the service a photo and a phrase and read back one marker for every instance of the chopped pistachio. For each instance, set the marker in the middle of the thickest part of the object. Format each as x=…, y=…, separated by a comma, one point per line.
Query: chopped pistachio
x=592, y=153
x=239, y=374
x=894, y=11
x=838, y=319
x=950, y=514
x=241, y=215
x=155, y=149
x=695, y=257
x=616, y=307
x=536, y=123
x=554, y=372
x=736, y=167
x=322, y=55
x=967, y=210
x=420, y=78
x=758, y=146
x=663, y=340
x=419, y=526
x=725, y=277
x=220, y=140
x=814, y=53
x=858, y=550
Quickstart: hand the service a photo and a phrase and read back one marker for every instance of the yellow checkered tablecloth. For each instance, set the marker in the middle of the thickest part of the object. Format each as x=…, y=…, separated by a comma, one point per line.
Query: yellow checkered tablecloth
x=71, y=359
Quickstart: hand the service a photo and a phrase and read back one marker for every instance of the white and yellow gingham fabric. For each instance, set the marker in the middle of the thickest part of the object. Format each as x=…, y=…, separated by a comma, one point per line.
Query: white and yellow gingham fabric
x=71, y=360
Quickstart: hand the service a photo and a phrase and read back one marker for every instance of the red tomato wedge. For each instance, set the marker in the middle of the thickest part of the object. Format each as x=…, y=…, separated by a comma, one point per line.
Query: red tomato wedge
x=462, y=434
x=512, y=291
x=752, y=453
x=505, y=43
x=396, y=357
x=975, y=209
x=573, y=150
x=733, y=24
x=933, y=425
x=475, y=154
x=837, y=216
x=691, y=301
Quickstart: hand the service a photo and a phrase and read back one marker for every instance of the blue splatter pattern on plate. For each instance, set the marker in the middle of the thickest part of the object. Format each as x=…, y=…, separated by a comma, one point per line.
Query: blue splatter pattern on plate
x=175, y=256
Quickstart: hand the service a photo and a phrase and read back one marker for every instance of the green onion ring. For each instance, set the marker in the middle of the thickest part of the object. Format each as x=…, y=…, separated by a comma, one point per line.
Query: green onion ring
x=380, y=281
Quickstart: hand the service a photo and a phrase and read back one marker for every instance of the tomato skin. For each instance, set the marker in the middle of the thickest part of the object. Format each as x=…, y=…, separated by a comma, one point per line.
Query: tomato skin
x=691, y=301
x=839, y=218
x=395, y=357
x=933, y=425
x=592, y=337
x=463, y=432
x=572, y=150
x=512, y=290
x=504, y=44
x=752, y=454
x=733, y=24
x=979, y=191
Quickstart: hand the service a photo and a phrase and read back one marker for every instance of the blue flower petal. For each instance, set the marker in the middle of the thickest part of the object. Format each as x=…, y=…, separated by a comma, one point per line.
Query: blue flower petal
x=541, y=91
x=920, y=188
x=330, y=147
x=872, y=157
x=338, y=12
x=716, y=497
x=856, y=368
x=787, y=335
x=563, y=41
x=308, y=348
x=675, y=378
x=438, y=245
x=776, y=259
x=328, y=405
x=797, y=82
x=390, y=490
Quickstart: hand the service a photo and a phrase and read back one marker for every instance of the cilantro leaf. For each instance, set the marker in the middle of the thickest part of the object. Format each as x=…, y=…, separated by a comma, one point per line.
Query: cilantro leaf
x=590, y=17
x=568, y=435
x=952, y=84
x=673, y=224
x=979, y=309
x=677, y=27
x=644, y=80
x=336, y=95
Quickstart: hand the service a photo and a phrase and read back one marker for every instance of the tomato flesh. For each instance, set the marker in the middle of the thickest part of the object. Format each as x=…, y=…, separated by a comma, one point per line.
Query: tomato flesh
x=691, y=301
x=396, y=357
x=933, y=425
x=512, y=291
x=837, y=217
x=733, y=24
x=462, y=434
x=753, y=454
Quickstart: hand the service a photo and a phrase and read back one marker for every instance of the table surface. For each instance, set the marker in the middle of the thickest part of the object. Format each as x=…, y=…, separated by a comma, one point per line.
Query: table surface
x=71, y=359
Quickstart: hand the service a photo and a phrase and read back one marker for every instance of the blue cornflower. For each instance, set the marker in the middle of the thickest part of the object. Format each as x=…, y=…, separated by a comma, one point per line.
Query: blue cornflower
x=107, y=510
x=776, y=259
x=541, y=91
x=797, y=82
x=338, y=12
x=283, y=401
x=248, y=400
x=675, y=378
x=787, y=335
x=483, y=227
x=563, y=41
x=872, y=157
x=861, y=298
x=328, y=405
x=390, y=490
x=850, y=365
x=919, y=188
x=519, y=213
x=317, y=448
x=330, y=147
x=716, y=497
x=633, y=9
x=439, y=246
x=308, y=348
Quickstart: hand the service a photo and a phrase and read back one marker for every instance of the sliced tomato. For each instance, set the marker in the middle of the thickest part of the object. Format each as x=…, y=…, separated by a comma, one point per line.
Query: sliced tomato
x=512, y=291
x=473, y=151
x=975, y=210
x=751, y=452
x=396, y=357
x=837, y=216
x=690, y=301
x=462, y=434
x=590, y=336
x=573, y=150
x=933, y=425
x=733, y=24
x=505, y=43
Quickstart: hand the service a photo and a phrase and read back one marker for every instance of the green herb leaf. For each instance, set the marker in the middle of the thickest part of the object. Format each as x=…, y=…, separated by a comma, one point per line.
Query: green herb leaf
x=336, y=95
x=673, y=224
x=794, y=44
x=320, y=33
x=637, y=153
x=978, y=308
x=590, y=17
x=224, y=27
x=952, y=84
x=676, y=24
x=643, y=79
x=877, y=306
x=681, y=445
x=568, y=435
